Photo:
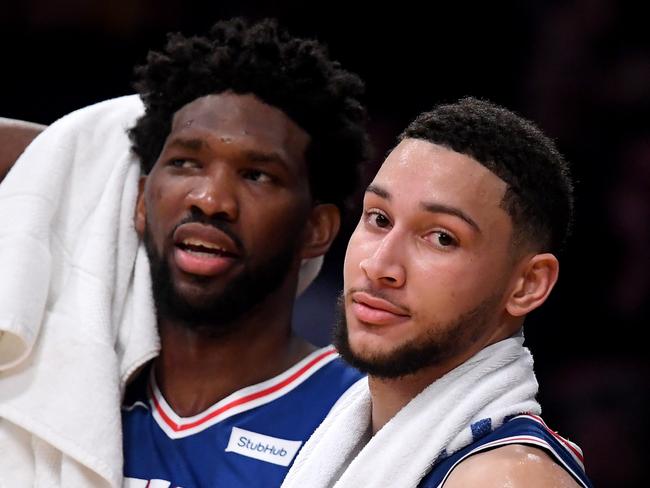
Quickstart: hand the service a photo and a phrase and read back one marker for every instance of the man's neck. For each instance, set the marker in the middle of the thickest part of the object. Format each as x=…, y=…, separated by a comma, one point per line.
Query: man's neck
x=194, y=372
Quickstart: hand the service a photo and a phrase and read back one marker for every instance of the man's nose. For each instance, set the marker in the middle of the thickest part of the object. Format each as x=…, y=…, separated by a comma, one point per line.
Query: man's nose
x=384, y=265
x=215, y=195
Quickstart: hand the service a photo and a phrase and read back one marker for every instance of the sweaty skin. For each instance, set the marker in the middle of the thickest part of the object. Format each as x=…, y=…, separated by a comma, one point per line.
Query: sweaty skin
x=510, y=467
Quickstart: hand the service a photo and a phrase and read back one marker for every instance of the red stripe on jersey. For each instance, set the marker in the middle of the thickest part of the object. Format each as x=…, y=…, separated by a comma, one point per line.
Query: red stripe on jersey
x=566, y=443
x=240, y=401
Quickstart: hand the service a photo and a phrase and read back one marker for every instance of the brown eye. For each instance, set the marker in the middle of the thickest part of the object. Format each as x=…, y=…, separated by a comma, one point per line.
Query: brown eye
x=183, y=163
x=376, y=219
x=381, y=220
x=257, y=175
x=444, y=239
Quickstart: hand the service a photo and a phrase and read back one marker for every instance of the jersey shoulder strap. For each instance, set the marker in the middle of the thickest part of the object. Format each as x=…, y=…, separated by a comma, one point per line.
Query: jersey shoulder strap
x=522, y=429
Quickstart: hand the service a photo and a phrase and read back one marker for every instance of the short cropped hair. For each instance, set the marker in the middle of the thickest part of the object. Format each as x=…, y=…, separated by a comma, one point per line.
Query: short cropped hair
x=539, y=195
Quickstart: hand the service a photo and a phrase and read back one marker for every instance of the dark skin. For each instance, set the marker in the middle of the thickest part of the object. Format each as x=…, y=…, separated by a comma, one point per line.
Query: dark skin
x=189, y=366
x=233, y=158
x=15, y=136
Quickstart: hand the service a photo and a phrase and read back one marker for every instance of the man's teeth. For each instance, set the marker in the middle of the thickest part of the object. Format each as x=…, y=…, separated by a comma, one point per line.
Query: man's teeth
x=198, y=245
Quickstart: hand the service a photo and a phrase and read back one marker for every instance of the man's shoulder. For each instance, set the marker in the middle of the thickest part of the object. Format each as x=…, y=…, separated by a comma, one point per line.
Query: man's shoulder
x=521, y=449
x=326, y=376
x=331, y=368
x=15, y=136
x=513, y=465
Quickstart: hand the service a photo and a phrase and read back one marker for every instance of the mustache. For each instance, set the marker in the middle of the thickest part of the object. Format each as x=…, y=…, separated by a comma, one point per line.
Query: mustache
x=377, y=293
x=198, y=217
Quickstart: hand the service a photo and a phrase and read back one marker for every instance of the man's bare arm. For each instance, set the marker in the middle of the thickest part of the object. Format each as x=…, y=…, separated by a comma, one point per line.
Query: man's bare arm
x=15, y=136
x=515, y=466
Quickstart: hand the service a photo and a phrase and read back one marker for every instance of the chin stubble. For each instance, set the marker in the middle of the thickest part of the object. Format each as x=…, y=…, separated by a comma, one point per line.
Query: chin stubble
x=439, y=342
x=217, y=316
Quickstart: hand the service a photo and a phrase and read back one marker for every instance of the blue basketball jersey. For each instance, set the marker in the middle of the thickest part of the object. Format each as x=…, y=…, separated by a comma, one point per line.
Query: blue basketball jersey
x=522, y=429
x=248, y=439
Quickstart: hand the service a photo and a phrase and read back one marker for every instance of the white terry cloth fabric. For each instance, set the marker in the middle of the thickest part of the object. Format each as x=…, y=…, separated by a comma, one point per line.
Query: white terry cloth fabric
x=497, y=382
x=76, y=312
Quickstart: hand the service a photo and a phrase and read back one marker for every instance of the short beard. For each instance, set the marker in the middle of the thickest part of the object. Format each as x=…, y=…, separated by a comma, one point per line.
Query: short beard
x=217, y=316
x=431, y=348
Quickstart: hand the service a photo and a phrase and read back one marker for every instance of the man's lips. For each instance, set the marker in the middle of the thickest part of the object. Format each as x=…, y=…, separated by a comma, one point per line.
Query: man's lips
x=377, y=311
x=206, y=238
x=203, y=250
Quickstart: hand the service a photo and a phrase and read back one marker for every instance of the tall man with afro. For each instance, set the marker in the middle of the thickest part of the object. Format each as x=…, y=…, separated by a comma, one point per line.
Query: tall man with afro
x=250, y=145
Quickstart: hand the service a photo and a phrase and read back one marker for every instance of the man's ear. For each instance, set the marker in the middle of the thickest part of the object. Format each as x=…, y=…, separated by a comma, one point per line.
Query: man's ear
x=536, y=278
x=140, y=219
x=322, y=227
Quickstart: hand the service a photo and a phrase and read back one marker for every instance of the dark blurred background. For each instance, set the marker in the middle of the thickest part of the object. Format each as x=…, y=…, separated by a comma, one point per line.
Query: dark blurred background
x=579, y=68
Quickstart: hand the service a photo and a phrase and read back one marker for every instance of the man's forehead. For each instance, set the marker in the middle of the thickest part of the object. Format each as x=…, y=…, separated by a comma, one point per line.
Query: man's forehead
x=242, y=119
x=418, y=169
x=228, y=109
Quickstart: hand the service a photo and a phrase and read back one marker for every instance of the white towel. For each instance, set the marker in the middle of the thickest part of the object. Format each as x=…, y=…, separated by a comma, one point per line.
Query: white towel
x=76, y=312
x=497, y=382
x=75, y=306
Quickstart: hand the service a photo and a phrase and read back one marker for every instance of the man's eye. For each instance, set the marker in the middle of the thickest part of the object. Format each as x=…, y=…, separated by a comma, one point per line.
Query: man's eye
x=377, y=219
x=183, y=163
x=444, y=239
x=257, y=175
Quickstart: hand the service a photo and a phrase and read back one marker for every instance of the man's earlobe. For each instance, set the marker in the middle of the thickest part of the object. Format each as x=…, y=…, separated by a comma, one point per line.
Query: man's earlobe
x=140, y=218
x=322, y=228
x=536, y=280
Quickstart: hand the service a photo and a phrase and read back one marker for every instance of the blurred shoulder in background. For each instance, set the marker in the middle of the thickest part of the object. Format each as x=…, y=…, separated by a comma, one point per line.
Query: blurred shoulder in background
x=15, y=136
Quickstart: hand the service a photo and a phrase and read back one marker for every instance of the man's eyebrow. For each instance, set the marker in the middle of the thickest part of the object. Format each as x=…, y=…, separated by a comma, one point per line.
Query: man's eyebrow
x=256, y=156
x=191, y=144
x=378, y=190
x=196, y=144
x=446, y=209
x=428, y=206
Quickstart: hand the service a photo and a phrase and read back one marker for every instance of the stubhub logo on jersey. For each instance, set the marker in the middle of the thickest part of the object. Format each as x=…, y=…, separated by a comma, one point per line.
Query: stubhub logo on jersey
x=262, y=447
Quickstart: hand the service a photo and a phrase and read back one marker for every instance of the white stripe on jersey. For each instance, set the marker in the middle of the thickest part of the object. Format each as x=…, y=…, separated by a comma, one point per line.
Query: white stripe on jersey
x=245, y=399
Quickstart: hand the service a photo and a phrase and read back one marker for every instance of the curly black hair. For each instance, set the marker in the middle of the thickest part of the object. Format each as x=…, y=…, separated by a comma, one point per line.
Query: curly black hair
x=295, y=75
x=539, y=197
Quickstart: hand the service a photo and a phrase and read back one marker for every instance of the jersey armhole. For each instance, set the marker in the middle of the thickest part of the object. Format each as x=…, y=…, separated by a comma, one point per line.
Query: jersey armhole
x=522, y=440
